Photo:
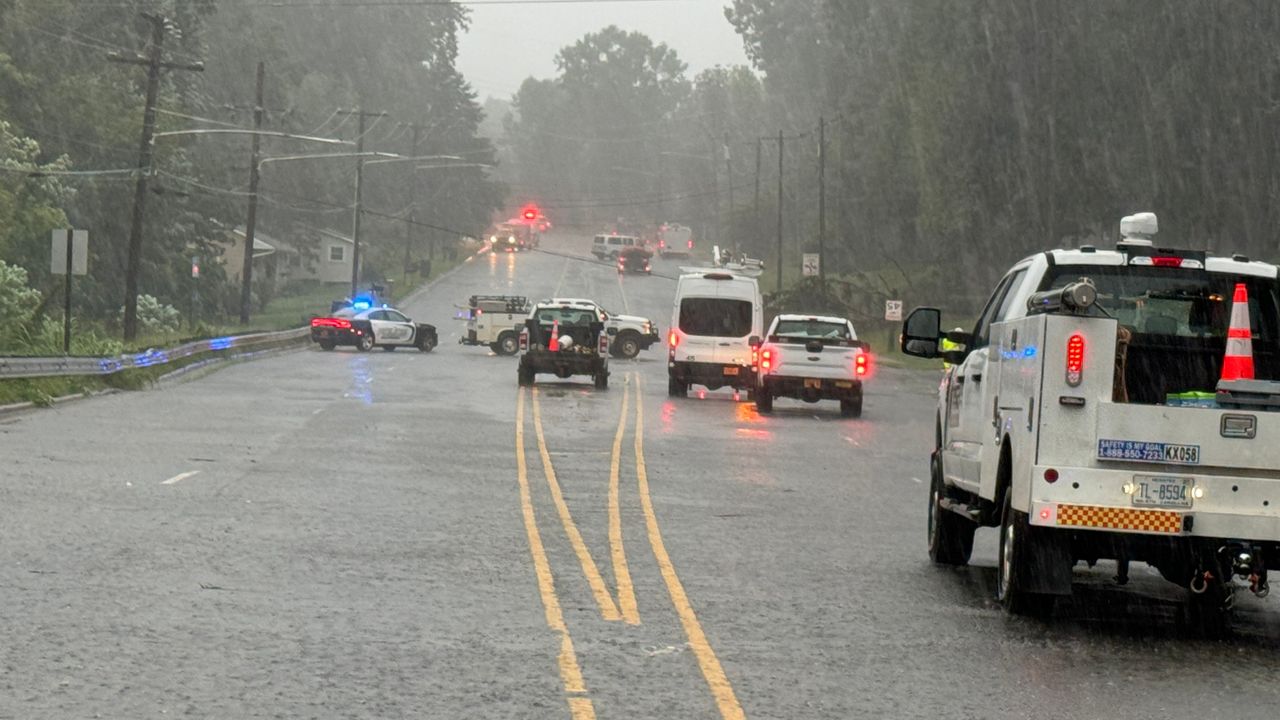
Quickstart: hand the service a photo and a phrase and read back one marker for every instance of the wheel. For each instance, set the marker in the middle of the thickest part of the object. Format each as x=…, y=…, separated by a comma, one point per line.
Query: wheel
x=524, y=376
x=950, y=536
x=626, y=346
x=751, y=395
x=365, y=343
x=508, y=344
x=388, y=348
x=1011, y=568
x=851, y=408
x=326, y=345
x=427, y=344
x=764, y=400
x=675, y=388
x=602, y=380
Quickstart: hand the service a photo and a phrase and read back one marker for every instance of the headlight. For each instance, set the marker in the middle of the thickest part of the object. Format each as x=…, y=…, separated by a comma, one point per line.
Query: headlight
x=648, y=327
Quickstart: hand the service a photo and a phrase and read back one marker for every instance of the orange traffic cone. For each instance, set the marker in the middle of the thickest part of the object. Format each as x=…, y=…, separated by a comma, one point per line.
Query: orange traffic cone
x=1238, y=362
x=554, y=345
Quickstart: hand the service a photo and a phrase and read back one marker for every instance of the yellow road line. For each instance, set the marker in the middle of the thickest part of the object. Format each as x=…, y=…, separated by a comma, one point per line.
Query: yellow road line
x=621, y=575
x=721, y=690
x=608, y=609
x=580, y=708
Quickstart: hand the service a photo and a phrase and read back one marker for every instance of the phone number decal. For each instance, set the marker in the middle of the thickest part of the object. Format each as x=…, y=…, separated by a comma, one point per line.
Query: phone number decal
x=1149, y=452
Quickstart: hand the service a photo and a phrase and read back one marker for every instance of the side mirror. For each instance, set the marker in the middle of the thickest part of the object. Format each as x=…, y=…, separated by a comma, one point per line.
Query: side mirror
x=921, y=332
x=612, y=331
x=754, y=341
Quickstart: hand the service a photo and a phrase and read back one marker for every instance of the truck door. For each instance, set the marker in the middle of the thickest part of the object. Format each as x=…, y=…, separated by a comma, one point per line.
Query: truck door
x=972, y=392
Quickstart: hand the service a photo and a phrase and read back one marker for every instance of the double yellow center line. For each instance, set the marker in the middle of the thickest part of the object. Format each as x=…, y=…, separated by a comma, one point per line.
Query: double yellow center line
x=624, y=608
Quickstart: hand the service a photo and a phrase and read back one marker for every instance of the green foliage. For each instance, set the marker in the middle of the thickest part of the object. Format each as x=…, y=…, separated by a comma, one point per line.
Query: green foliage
x=18, y=303
x=156, y=318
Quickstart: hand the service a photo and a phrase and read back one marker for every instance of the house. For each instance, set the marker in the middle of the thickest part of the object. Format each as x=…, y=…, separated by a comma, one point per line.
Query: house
x=319, y=254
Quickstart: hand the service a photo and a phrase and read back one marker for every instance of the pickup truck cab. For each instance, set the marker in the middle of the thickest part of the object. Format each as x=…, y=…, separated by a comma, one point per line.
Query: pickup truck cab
x=564, y=339
x=812, y=358
x=1087, y=417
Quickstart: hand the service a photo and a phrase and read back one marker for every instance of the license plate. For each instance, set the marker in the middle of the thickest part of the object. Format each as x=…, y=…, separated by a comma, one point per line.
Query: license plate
x=1161, y=491
x=810, y=383
x=730, y=370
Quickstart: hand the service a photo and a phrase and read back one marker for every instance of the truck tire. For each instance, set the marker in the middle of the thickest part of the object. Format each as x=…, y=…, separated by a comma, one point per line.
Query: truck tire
x=507, y=344
x=852, y=408
x=524, y=376
x=602, y=380
x=675, y=388
x=950, y=536
x=764, y=400
x=626, y=346
x=365, y=343
x=1011, y=569
x=427, y=344
x=327, y=345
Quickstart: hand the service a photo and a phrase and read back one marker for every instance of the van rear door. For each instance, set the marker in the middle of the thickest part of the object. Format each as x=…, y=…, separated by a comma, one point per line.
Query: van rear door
x=715, y=329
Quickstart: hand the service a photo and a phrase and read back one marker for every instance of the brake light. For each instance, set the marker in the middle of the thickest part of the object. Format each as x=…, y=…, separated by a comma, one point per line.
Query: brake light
x=861, y=364
x=479, y=312
x=766, y=360
x=1166, y=261
x=1075, y=359
x=604, y=343
x=338, y=323
x=755, y=357
x=690, y=244
x=524, y=339
x=673, y=339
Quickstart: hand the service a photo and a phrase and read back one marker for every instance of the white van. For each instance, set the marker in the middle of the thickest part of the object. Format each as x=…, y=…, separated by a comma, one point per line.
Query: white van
x=610, y=246
x=716, y=323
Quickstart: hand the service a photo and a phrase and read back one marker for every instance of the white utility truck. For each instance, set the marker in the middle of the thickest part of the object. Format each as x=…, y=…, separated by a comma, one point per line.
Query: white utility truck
x=495, y=321
x=1094, y=413
x=812, y=358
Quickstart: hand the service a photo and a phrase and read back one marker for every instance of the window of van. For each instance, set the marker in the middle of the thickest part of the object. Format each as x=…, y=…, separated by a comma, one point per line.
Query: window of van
x=717, y=317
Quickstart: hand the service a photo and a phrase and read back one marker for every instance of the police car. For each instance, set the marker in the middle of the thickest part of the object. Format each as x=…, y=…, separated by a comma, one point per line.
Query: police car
x=369, y=327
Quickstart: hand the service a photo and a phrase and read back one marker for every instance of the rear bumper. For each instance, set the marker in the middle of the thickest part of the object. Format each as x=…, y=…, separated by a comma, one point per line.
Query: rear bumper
x=804, y=388
x=335, y=336
x=1094, y=499
x=648, y=341
x=563, y=365
x=713, y=375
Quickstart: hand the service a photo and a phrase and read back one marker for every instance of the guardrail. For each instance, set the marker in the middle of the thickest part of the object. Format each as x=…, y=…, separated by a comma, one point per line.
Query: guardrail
x=232, y=346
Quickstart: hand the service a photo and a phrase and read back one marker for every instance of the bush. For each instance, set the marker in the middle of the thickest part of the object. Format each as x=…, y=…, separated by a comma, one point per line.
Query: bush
x=18, y=304
x=154, y=317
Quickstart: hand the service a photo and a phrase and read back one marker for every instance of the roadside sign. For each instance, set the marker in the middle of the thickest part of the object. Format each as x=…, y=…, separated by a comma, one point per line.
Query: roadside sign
x=79, y=247
x=810, y=264
x=893, y=310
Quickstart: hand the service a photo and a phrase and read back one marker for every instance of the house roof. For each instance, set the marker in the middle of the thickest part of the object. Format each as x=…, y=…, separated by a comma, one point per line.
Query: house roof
x=263, y=244
x=334, y=235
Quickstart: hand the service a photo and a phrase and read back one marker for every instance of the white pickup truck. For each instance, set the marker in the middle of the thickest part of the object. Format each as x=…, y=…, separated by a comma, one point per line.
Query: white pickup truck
x=1087, y=418
x=812, y=358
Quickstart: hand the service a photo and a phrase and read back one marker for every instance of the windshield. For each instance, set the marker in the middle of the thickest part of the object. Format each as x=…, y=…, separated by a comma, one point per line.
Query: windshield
x=718, y=317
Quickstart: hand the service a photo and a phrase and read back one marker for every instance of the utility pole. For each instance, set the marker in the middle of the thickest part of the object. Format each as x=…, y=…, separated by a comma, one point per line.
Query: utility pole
x=756, y=211
x=355, y=221
x=822, y=203
x=728, y=174
x=154, y=62
x=413, y=197
x=780, y=141
x=251, y=223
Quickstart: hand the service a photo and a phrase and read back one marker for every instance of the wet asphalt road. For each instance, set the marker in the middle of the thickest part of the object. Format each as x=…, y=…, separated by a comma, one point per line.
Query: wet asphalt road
x=355, y=541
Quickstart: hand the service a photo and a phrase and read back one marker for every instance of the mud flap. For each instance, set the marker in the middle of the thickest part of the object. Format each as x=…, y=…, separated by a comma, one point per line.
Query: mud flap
x=1048, y=562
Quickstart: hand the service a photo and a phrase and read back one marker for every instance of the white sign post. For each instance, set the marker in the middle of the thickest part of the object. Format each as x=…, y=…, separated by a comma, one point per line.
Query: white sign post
x=810, y=264
x=68, y=255
x=893, y=310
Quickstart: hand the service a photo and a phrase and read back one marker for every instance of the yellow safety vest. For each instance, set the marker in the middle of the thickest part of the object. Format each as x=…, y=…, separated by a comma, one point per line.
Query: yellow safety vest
x=948, y=346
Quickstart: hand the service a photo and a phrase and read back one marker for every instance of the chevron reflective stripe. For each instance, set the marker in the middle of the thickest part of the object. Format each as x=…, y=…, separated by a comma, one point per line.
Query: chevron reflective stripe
x=1113, y=518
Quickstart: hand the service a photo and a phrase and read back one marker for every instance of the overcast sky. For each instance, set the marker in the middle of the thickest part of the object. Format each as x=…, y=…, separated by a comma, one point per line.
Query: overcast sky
x=508, y=43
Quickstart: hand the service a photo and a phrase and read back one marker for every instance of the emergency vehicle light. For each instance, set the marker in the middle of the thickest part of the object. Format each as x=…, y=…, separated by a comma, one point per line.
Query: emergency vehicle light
x=1075, y=359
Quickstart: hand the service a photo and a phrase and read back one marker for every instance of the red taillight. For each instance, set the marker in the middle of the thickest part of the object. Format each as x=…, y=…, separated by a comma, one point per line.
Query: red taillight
x=604, y=343
x=1075, y=359
x=1166, y=261
x=673, y=339
x=524, y=339
x=690, y=244
x=766, y=359
x=861, y=364
x=755, y=357
x=338, y=323
x=1051, y=475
